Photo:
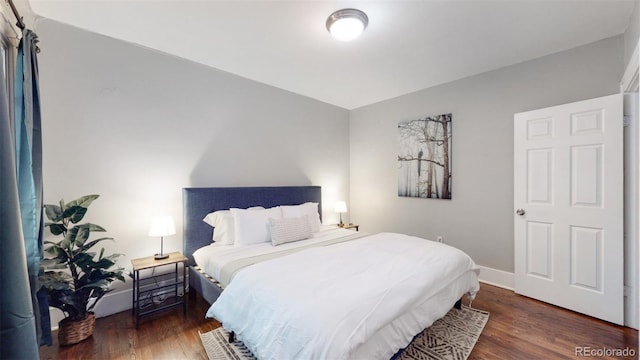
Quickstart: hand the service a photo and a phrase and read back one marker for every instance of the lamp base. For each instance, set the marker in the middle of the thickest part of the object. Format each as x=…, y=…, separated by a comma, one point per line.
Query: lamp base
x=160, y=256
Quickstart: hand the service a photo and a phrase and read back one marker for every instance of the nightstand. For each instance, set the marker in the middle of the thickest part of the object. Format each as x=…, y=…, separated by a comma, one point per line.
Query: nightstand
x=350, y=226
x=159, y=292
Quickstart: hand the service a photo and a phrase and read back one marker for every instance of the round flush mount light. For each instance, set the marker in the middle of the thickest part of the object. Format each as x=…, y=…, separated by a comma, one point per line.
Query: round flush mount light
x=347, y=24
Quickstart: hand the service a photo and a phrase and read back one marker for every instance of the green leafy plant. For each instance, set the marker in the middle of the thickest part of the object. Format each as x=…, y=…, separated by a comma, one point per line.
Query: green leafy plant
x=84, y=277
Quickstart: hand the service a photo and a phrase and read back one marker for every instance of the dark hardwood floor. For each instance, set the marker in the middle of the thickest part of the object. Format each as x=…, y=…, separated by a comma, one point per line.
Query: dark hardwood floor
x=523, y=328
x=518, y=328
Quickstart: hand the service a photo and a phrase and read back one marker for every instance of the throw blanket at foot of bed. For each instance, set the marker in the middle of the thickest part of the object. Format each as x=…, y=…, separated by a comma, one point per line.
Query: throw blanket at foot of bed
x=338, y=301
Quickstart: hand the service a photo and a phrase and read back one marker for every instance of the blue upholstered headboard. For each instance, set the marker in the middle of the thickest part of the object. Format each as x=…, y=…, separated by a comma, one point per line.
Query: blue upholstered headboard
x=198, y=202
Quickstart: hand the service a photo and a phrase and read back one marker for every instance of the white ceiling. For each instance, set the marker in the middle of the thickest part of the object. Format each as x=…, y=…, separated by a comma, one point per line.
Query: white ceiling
x=408, y=45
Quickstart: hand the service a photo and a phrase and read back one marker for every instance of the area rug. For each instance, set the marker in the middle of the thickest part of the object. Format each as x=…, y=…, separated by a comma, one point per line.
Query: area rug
x=450, y=338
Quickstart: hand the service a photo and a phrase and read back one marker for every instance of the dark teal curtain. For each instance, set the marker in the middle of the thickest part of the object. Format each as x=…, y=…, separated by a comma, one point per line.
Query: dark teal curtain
x=29, y=170
x=21, y=218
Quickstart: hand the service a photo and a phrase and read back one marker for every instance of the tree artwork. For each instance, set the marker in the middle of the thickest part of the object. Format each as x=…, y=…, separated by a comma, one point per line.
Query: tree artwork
x=424, y=158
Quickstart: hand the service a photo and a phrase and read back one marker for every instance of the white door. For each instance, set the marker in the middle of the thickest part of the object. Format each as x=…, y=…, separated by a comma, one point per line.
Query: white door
x=568, y=206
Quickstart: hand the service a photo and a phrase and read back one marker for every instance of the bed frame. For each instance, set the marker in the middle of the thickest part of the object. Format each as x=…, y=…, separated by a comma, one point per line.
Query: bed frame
x=198, y=202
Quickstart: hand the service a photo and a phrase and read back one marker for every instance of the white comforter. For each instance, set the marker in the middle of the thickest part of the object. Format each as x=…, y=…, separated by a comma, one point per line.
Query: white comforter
x=324, y=303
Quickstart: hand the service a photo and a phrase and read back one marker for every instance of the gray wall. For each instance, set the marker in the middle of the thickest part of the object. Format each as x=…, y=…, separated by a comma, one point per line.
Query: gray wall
x=479, y=218
x=632, y=34
x=136, y=126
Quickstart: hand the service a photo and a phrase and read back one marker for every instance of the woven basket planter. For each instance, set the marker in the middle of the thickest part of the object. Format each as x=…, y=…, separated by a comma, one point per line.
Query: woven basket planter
x=72, y=332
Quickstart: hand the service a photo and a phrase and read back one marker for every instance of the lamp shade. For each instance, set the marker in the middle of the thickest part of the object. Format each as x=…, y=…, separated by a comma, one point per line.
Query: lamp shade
x=341, y=207
x=162, y=226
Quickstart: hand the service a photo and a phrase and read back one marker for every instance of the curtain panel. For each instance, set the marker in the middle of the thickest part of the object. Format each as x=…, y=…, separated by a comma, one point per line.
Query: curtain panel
x=21, y=212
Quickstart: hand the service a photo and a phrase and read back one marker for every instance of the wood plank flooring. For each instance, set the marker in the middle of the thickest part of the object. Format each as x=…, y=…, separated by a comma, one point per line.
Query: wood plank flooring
x=518, y=328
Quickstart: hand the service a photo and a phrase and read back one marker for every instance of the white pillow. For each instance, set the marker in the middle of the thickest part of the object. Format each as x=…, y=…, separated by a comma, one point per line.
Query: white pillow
x=252, y=226
x=222, y=221
x=287, y=230
x=310, y=209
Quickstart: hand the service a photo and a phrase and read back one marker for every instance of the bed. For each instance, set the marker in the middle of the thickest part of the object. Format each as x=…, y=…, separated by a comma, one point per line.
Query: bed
x=319, y=301
x=198, y=202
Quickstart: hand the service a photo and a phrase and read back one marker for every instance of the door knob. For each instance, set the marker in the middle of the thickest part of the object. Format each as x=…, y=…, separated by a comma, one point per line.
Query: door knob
x=520, y=212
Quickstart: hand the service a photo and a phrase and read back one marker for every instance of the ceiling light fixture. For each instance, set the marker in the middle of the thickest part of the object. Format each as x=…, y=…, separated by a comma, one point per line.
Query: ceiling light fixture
x=347, y=24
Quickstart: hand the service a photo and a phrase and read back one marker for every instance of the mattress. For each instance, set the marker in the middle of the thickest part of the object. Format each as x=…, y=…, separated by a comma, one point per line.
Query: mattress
x=364, y=298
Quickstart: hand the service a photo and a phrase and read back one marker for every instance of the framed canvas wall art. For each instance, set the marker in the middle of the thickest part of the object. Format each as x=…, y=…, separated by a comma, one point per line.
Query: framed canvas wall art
x=424, y=157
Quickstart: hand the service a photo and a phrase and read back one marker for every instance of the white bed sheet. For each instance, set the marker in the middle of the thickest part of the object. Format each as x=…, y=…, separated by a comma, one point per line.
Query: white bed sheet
x=340, y=308
x=212, y=258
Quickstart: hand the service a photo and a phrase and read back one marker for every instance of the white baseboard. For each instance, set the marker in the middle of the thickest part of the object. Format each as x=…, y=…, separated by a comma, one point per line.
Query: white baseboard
x=506, y=280
x=118, y=301
x=497, y=278
x=110, y=304
x=114, y=302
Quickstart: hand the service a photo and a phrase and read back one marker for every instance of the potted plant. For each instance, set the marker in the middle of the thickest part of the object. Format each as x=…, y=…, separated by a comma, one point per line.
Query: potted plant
x=75, y=278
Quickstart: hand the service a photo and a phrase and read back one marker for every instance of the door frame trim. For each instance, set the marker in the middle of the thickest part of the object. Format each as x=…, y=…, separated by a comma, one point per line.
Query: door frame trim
x=629, y=83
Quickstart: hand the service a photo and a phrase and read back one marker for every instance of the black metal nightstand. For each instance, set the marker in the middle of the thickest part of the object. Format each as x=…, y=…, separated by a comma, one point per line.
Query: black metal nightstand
x=167, y=284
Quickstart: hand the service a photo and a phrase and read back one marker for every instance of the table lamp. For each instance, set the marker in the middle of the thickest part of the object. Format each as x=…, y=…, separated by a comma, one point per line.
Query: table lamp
x=341, y=207
x=162, y=226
